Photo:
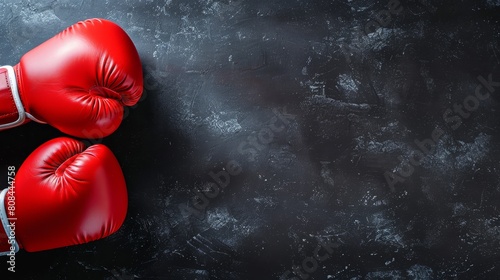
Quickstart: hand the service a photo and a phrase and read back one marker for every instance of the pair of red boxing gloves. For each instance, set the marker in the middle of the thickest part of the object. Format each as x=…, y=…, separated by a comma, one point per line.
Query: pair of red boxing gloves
x=65, y=193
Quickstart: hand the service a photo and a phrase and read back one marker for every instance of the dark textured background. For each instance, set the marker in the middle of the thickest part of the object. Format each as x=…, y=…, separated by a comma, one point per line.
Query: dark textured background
x=215, y=72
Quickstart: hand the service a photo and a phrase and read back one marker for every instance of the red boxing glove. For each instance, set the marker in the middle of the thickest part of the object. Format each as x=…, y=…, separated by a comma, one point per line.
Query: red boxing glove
x=64, y=194
x=78, y=81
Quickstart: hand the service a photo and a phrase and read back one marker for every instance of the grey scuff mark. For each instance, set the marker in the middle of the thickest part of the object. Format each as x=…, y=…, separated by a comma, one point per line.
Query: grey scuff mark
x=459, y=155
x=221, y=127
x=348, y=84
x=326, y=174
x=379, y=147
x=350, y=107
x=219, y=218
x=206, y=247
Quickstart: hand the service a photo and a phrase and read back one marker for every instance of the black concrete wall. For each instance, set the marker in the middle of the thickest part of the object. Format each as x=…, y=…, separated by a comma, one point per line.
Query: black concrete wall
x=324, y=140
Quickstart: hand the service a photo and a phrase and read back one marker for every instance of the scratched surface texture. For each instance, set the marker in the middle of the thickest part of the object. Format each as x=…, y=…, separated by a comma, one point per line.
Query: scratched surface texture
x=291, y=140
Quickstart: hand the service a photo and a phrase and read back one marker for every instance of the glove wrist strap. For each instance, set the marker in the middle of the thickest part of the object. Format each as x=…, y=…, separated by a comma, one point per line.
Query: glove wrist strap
x=11, y=107
x=10, y=234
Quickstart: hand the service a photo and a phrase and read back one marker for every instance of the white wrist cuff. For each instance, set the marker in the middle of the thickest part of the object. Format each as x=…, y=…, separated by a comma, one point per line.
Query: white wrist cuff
x=5, y=224
x=15, y=96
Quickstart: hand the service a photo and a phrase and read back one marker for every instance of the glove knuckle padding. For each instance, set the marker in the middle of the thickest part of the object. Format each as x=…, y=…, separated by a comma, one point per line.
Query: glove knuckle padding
x=70, y=195
x=80, y=79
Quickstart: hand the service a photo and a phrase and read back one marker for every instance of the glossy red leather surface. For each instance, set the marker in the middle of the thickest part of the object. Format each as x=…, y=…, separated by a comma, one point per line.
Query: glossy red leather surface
x=79, y=80
x=67, y=194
